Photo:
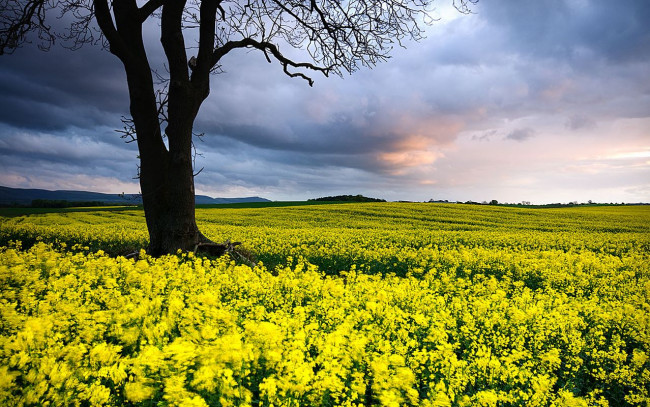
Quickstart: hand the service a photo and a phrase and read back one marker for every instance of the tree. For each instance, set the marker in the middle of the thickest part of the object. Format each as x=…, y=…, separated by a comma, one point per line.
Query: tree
x=337, y=37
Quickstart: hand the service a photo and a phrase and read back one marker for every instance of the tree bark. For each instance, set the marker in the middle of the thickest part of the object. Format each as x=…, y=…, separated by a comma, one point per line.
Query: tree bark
x=168, y=199
x=167, y=184
x=166, y=176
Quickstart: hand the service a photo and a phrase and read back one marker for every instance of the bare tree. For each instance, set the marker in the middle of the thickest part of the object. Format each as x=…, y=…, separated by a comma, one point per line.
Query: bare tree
x=337, y=37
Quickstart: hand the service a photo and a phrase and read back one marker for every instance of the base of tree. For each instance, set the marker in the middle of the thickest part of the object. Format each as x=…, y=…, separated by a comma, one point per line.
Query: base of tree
x=219, y=249
x=211, y=249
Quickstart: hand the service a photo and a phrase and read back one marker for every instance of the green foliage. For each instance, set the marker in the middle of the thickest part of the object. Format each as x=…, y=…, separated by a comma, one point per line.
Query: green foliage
x=60, y=203
x=372, y=304
x=266, y=204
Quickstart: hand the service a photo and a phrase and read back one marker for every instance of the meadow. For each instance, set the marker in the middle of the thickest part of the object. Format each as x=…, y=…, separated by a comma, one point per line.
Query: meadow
x=373, y=304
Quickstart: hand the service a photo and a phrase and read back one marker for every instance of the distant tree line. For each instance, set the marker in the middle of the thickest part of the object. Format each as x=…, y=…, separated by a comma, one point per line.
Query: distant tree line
x=61, y=203
x=348, y=198
x=527, y=204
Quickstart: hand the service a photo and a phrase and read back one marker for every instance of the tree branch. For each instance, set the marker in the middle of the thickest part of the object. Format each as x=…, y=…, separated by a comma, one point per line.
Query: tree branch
x=273, y=49
x=172, y=40
x=148, y=9
x=143, y=106
x=463, y=6
x=103, y=15
x=208, y=12
x=16, y=20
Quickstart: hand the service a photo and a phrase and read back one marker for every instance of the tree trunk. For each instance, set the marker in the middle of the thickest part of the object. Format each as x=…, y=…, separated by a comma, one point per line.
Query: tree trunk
x=168, y=199
x=166, y=174
x=167, y=183
x=170, y=220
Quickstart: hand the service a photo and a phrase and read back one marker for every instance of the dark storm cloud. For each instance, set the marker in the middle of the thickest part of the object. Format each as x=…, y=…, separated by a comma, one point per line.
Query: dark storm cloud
x=78, y=150
x=514, y=59
x=566, y=29
x=61, y=88
x=353, y=122
x=338, y=137
x=300, y=156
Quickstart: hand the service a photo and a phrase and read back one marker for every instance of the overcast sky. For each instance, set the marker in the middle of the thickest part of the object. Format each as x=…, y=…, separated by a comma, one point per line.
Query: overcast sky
x=537, y=100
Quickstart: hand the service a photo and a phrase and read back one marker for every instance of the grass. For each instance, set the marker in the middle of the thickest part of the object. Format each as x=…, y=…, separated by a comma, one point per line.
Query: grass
x=22, y=211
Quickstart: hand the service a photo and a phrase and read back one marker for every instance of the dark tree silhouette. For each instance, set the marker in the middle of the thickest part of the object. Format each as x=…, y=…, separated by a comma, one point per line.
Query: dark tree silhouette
x=336, y=37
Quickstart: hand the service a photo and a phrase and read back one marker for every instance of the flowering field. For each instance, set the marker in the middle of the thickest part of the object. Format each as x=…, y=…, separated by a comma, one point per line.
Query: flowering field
x=355, y=304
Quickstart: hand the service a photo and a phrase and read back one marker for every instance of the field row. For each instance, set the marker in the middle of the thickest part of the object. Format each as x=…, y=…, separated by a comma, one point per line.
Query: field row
x=379, y=238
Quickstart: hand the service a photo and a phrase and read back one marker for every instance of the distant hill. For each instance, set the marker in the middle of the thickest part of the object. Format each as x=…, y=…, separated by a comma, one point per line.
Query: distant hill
x=347, y=198
x=24, y=197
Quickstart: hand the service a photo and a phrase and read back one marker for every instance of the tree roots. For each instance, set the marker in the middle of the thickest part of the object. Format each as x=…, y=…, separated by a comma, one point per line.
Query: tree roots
x=209, y=248
x=212, y=249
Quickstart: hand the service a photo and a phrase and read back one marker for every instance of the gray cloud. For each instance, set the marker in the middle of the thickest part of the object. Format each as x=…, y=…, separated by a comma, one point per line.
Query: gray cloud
x=485, y=135
x=570, y=30
x=578, y=121
x=60, y=88
x=520, y=134
x=85, y=153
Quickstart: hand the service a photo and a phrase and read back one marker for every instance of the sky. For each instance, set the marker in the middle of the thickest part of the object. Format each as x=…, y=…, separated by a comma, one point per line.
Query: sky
x=542, y=101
